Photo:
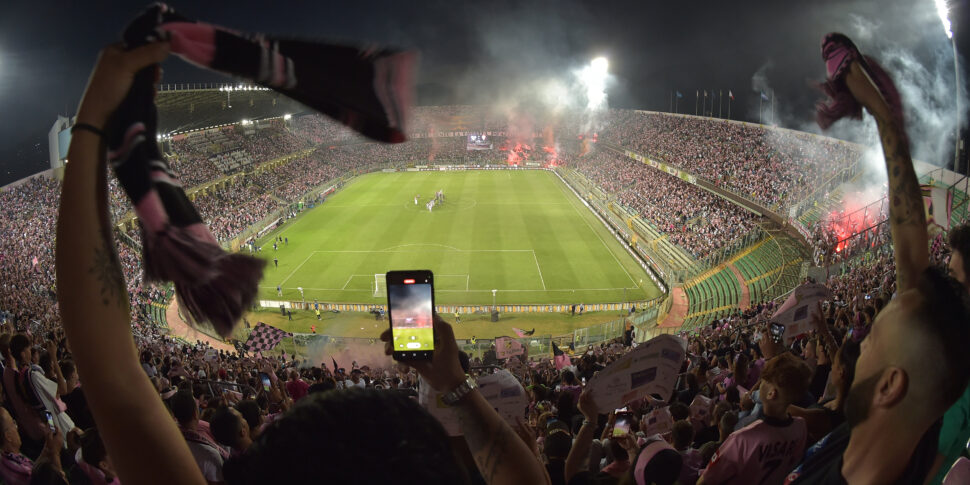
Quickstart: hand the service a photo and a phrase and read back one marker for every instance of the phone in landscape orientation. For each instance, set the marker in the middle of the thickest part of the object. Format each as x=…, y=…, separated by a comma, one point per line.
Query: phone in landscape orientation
x=267, y=383
x=410, y=303
x=50, y=421
x=621, y=427
x=777, y=331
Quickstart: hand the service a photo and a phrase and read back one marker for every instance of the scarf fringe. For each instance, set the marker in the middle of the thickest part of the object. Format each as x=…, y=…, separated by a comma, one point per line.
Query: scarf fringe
x=211, y=285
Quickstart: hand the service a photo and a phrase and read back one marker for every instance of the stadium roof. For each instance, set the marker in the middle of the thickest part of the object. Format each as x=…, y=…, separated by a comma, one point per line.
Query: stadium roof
x=186, y=107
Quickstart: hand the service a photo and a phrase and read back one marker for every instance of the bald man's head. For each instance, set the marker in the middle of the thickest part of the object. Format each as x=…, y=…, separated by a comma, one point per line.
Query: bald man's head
x=913, y=359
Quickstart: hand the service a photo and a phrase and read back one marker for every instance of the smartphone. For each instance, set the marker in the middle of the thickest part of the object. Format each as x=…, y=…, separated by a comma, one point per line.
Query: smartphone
x=50, y=421
x=621, y=427
x=410, y=301
x=267, y=383
x=777, y=331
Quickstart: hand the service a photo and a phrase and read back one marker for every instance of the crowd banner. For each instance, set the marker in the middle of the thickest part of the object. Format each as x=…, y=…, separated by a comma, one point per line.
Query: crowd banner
x=651, y=370
x=501, y=389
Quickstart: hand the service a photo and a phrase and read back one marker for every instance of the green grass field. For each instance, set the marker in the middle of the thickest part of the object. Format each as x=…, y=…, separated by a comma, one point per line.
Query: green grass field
x=523, y=233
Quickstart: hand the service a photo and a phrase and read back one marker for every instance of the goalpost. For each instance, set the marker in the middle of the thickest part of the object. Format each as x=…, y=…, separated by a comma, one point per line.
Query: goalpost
x=380, y=284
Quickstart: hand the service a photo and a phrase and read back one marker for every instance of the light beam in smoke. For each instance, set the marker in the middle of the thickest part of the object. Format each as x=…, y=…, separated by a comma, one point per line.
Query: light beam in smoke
x=593, y=79
x=944, y=12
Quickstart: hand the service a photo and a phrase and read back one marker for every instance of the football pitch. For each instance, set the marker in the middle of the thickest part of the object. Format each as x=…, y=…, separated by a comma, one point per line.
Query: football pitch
x=522, y=233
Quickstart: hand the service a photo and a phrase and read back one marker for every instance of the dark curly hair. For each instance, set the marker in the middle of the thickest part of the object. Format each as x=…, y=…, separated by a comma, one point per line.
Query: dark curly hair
x=350, y=436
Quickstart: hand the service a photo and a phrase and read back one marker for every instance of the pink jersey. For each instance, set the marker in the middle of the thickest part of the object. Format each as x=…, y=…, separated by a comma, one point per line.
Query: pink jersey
x=761, y=453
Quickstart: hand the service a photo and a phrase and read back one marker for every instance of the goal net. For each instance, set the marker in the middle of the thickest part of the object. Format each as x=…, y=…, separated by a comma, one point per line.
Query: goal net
x=380, y=284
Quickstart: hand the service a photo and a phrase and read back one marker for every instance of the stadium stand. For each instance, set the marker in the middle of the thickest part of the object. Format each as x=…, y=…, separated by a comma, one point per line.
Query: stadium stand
x=674, y=228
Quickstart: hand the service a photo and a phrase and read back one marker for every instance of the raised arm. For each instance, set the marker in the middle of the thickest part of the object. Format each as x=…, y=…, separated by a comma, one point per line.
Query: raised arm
x=907, y=219
x=502, y=457
x=584, y=439
x=144, y=445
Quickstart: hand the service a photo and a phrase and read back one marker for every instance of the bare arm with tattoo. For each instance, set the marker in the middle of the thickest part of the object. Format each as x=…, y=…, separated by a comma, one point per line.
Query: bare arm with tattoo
x=907, y=217
x=502, y=457
x=138, y=432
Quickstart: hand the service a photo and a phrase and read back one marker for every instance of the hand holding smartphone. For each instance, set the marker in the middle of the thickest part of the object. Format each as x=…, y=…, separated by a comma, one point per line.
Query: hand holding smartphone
x=621, y=427
x=410, y=301
x=267, y=383
x=50, y=421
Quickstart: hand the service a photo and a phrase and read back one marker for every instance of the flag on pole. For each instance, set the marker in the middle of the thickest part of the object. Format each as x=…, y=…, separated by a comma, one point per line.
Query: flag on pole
x=705, y=93
x=764, y=96
x=559, y=357
x=265, y=337
x=730, y=94
x=335, y=366
x=518, y=332
x=679, y=95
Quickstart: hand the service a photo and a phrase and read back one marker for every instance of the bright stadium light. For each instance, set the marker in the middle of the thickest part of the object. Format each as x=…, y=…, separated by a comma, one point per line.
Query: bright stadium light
x=593, y=78
x=287, y=116
x=600, y=64
x=944, y=12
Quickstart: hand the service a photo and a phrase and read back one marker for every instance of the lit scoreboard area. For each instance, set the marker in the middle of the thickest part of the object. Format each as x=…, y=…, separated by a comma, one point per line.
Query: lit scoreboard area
x=479, y=141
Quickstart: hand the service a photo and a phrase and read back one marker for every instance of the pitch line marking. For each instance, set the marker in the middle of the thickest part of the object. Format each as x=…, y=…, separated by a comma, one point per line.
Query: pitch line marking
x=297, y=268
x=573, y=196
x=543, y=281
x=348, y=282
x=420, y=244
x=455, y=249
x=468, y=291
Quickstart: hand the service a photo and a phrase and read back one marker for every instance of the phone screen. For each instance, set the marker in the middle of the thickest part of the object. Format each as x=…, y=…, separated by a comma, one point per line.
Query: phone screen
x=50, y=421
x=622, y=425
x=267, y=384
x=410, y=298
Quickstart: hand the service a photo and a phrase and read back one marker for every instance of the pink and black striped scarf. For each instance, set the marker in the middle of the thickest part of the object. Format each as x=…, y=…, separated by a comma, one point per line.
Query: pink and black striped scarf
x=838, y=52
x=369, y=90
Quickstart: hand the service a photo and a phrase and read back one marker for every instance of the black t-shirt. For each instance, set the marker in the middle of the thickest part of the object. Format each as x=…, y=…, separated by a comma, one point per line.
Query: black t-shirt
x=823, y=462
x=821, y=377
x=557, y=471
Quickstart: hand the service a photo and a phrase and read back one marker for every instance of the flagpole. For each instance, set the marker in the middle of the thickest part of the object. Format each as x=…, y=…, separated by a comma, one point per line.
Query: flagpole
x=697, y=96
x=761, y=109
x=729, y=107
x=676, y=104
x=772, y=106
x=719, y=104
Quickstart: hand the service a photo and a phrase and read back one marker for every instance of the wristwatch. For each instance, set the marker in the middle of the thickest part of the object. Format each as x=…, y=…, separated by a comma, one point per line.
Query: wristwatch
x=456, y=394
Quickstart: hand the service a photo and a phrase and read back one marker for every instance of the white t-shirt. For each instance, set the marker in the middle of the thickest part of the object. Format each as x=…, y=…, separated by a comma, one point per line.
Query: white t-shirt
x=208, y=459
x=46, y=390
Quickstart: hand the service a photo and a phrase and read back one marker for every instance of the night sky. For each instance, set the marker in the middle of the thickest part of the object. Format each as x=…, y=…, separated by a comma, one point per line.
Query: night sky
x=477, y=52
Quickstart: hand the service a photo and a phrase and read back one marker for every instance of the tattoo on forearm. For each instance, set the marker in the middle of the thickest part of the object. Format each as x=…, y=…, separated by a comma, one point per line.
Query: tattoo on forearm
x=486, y=447
x=106, y=267
x=906, y=203
x=107, y=270
x=490, y=461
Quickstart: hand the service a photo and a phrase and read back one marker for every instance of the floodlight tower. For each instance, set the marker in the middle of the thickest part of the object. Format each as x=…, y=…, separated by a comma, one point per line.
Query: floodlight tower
x=944, y=12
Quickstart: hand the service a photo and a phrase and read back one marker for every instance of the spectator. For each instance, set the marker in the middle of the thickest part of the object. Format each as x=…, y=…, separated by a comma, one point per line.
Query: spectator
x=897, y=386
x=296, y=387
x=15, y=468
x=765, y=451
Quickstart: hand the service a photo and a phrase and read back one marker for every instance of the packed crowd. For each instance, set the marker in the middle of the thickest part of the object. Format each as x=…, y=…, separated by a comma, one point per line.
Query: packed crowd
x=749, y=406
x=694, y=219
x=773, y=167
x=746, y=407
x=27, y=292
